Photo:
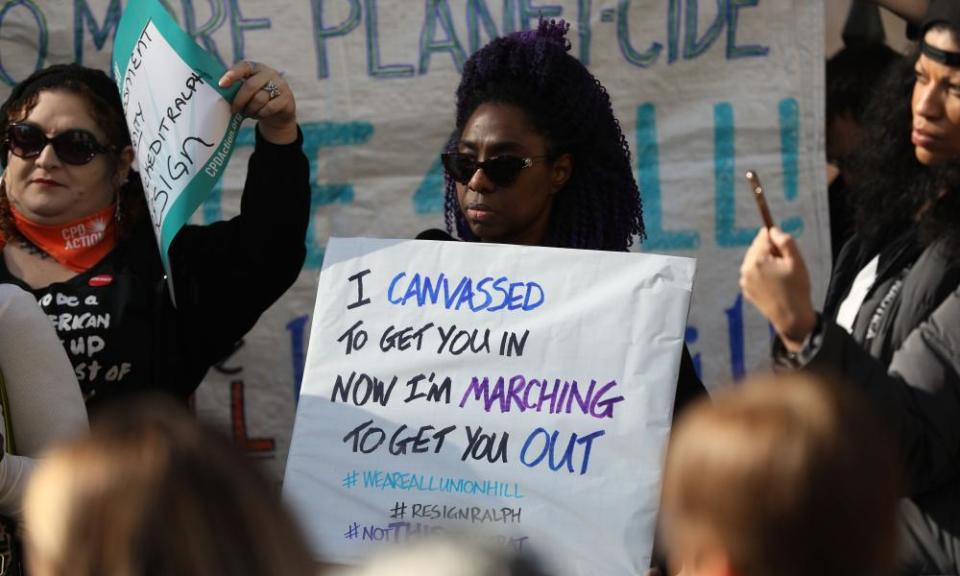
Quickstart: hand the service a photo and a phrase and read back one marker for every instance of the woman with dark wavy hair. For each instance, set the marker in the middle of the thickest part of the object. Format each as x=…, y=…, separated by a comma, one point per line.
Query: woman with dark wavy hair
x=891, y=321
x=539, y=159
x=76, y=233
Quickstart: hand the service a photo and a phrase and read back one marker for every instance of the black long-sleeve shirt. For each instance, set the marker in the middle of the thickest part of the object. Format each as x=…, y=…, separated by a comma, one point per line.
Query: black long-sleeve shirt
x=117, y=321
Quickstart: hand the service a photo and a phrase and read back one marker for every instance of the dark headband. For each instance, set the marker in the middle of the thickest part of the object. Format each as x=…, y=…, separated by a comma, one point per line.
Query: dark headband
x=945, y=13
x=951, y=59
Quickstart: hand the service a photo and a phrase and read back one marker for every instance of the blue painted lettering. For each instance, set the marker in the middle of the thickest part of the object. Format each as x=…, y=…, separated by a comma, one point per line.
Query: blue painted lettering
x=374, y=67
x=509, y=16
x=321, y=32
x=477, y=14
x=673, y=30
x=530, y=13
x=204, y=34
x=549, y=450
x=42, y=34
x=584, y=8
x=438, y=11
x=644, y=59
x=694, y=46
x=316, y=137
x=424, y=291
x=648, y=176
x=735, y=335
x=239, y=26
x=728, y=234
x=393, y=284
x=429, y=196
x=82, y=14
x=298, y=349
x=733, y=19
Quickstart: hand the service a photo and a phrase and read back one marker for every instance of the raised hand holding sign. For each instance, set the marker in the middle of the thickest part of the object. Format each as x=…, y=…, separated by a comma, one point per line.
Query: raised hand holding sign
x=180, y=120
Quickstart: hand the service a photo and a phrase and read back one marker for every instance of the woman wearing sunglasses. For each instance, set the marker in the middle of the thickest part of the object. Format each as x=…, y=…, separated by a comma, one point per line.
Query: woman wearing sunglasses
x=538, y=157
x=77, y=235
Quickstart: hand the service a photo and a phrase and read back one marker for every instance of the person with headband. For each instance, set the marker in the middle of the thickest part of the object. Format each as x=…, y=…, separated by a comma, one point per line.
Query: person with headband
x=891, y=321
x=538, y=158
x=73, y=218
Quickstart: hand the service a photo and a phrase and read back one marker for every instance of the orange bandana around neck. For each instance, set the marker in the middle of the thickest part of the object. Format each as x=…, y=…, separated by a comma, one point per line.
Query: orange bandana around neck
x=78, y=245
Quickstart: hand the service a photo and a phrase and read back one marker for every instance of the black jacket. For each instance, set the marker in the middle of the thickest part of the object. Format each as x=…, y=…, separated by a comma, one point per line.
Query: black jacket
x=117, y=322
x=904, y=352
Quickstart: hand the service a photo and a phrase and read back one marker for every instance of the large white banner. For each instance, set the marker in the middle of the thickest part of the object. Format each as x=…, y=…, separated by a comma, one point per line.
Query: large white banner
x=704, y=89
x=521, y=392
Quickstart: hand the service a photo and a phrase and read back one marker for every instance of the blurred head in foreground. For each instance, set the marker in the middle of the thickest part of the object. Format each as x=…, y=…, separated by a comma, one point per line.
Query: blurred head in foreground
x=152, y=493
x=448, y=557
x=784, y=475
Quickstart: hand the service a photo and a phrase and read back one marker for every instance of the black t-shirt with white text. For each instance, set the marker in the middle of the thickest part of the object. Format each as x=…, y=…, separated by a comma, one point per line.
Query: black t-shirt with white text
x=117, y=321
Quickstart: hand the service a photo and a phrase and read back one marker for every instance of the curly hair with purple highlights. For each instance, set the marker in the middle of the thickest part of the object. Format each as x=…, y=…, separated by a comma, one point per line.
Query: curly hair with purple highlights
x=599, y=208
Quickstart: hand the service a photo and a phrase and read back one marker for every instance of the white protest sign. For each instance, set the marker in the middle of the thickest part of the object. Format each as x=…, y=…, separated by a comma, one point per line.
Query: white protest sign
x=525, y=393
x=179, y=119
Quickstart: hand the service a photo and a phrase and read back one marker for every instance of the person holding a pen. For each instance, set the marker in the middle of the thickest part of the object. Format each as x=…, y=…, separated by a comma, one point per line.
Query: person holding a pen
x=891, y=321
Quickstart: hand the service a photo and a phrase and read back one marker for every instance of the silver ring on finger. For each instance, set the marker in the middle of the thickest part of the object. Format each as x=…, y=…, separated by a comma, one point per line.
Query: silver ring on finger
x=272, y=89
x=254, y=67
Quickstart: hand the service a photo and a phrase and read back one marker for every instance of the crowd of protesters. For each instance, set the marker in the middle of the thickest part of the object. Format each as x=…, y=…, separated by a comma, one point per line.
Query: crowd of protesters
x=844, y=461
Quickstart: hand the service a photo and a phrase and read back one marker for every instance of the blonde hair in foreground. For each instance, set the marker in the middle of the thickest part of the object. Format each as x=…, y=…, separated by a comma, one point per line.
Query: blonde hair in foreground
x=449, y=555
x=784, y=475
x=151, y=493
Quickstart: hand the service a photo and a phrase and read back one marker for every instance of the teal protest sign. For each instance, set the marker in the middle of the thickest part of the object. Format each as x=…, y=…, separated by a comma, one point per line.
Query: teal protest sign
x=179, y=118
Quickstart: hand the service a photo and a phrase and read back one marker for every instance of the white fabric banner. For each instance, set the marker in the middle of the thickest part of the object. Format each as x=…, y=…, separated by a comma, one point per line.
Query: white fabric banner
x=704, y=91
x=522, y=392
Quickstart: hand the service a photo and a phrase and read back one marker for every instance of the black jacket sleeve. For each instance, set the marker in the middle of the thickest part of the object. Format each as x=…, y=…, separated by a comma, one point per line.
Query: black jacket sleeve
x=689, y=386
x=228, y=273
x=918, y=394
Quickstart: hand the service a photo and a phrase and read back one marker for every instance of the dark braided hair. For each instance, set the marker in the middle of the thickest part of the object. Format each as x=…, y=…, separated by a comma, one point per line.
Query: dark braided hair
x=599, y=207
x=103, y=100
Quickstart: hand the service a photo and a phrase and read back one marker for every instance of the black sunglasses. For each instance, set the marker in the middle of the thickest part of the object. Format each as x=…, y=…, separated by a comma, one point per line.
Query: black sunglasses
x=502, y=170
x=75, y=146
